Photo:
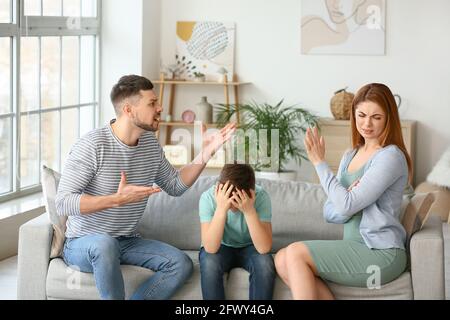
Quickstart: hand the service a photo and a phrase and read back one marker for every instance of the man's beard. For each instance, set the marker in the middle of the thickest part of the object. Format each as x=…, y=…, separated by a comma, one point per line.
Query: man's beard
x=143, y=125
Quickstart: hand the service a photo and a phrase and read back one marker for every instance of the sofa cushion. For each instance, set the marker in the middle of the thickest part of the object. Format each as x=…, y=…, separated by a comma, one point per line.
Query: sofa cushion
x=175, y=220
x=62, y=283
x=297, y=214
x=237, y=286
x=441, y=206
x=417, y=213
x=399, y=289
x=50, y=181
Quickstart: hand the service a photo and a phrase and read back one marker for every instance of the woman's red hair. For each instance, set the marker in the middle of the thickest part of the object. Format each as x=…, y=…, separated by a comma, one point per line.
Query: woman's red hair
x=392, y=133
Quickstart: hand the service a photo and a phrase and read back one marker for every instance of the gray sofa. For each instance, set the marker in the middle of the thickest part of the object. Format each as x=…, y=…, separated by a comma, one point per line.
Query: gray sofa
x=297, y=215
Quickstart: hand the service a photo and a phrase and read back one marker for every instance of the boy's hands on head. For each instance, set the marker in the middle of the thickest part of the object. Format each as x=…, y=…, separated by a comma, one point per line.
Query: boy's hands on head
x=243, y=202
x=223, y=196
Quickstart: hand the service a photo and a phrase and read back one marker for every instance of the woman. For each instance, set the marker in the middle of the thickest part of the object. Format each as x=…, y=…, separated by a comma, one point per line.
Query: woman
x=365, y=196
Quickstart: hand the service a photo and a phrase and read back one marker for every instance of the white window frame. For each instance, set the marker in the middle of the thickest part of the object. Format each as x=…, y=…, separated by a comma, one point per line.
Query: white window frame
x=43, y=26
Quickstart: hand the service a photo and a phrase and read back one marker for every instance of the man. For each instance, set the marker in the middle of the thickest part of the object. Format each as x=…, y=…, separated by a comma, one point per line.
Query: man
x=106, y=182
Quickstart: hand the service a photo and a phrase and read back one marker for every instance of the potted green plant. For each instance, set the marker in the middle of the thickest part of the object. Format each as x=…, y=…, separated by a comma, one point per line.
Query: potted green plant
x=198, y=76
x=290, y=121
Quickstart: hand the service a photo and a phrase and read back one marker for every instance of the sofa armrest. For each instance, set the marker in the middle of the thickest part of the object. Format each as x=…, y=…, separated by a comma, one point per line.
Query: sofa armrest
x=427, y=261
x=35, y=238
x=446, y=233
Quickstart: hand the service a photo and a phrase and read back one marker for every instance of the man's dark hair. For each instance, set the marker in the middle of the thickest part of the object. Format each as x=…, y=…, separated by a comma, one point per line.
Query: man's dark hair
x=241, y=176
x=128, y=86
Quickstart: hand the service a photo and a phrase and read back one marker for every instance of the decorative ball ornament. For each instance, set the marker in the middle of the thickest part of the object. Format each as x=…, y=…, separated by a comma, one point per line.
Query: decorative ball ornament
x=341, y=104
x=188, y=116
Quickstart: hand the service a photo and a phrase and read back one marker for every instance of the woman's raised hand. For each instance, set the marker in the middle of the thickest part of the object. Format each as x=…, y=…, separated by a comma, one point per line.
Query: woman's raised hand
x=315, y=146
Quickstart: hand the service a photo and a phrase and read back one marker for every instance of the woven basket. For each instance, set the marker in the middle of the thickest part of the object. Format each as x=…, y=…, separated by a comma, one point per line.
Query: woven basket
x=341, y=104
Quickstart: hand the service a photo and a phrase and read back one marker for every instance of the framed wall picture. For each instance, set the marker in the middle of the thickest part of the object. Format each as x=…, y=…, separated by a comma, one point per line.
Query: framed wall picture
x=347, y=27
x=205, y=47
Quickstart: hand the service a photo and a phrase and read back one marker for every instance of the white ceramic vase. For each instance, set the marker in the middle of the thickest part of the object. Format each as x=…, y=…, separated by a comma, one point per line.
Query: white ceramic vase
x=204, y=111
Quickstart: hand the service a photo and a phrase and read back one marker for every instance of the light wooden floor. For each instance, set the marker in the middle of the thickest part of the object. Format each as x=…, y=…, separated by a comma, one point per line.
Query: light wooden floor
x=8, y=279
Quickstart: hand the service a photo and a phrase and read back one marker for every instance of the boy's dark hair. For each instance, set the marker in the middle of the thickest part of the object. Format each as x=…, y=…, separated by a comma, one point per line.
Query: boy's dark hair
x=241, y=176
x=128, y=86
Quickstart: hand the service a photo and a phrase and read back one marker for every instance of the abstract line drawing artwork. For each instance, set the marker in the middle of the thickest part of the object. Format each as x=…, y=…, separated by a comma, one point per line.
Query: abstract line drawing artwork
x=347, y=27
x=205, y=47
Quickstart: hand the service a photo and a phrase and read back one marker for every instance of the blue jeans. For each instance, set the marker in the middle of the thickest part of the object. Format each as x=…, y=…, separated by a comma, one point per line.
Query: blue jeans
x=103, y=255
x=260, y=267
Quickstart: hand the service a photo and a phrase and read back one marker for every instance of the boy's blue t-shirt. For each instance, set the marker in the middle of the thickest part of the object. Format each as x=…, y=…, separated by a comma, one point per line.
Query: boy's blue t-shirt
x=236, y=232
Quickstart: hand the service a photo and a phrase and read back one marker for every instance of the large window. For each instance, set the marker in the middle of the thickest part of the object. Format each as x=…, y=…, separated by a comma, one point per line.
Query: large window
x=49, y=61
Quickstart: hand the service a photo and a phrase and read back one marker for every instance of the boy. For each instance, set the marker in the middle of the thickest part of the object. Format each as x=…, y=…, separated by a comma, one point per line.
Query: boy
x=236, y=231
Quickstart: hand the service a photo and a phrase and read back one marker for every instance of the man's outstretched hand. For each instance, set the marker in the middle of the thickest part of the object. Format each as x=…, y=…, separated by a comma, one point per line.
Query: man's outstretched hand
x=210, y=144
x=127, y=193
x=213, y=142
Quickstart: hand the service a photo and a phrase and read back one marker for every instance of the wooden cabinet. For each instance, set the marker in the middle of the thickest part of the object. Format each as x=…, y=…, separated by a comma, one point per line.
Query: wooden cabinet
x=338, y=139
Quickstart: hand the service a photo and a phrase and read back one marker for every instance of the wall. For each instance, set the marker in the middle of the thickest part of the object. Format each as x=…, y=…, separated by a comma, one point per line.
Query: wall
x=416, y=65
x=151, y=41
x=121, y=46
x=126, y=47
